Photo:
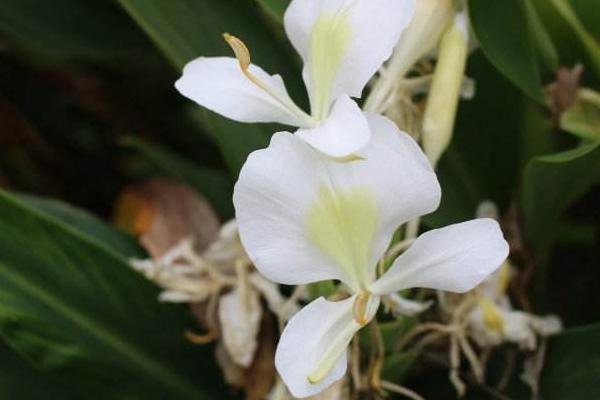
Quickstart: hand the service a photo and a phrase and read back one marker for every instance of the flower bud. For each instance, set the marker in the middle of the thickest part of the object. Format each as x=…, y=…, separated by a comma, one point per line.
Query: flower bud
x=430, y=20
x=442, y=103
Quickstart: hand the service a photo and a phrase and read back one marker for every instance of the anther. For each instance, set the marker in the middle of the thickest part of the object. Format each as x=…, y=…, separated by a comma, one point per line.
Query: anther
x=239, y=49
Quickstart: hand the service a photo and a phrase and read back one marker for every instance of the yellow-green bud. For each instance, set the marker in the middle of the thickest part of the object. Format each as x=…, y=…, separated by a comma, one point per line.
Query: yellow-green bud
x=442, y=103
x=431, y=18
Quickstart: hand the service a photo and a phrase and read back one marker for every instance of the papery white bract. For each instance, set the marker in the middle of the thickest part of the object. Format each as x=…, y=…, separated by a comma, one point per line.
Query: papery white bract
x=341, y=52
x=304, y=217
x=494, y=321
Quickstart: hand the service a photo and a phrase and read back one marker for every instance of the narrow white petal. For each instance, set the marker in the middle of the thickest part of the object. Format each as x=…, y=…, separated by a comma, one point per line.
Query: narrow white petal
x=219, y=84
x=455, y=258
x=316, y=337
x=343, y=133
x=304, y=217
x=344, y=42
x=401, y=306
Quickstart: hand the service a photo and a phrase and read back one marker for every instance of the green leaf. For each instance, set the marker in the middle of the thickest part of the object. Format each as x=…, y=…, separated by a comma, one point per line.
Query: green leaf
x=214, y=184
x=187, y=29
x=505, y=34
x=88, y=224
x=397, y=365
x=18, y=380
x=590, y=43
x=547, y=51
x=70, y=28
x=275, y=8
x=235, y=147
x=572, y=365
x=583, y=117
x=568, y=43
x=74, y=308
x=552, y=183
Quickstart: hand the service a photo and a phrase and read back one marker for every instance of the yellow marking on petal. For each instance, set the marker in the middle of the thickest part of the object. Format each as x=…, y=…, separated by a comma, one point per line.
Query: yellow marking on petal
x=332, y=353
x=342, y=225
x=350, y=157
x=329, y=41
x=491, y=315
x=504, y=278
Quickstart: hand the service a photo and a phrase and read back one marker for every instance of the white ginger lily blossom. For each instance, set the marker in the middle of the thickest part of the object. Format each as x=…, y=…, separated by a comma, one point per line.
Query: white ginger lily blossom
x=305, y=218
x=495, y=321
x=341, y=50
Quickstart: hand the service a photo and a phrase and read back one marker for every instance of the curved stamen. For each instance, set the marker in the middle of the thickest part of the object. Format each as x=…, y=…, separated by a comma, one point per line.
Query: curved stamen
x=243, y=56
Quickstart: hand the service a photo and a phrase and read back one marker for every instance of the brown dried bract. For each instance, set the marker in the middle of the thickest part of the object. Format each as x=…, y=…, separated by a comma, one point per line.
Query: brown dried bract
x=162, y=213
x=563, y=92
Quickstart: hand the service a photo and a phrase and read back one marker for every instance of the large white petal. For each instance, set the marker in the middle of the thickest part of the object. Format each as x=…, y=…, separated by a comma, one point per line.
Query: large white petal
x=219, y=84
x=304, y=217
x=344, y=132
x=319, y=328
x=455, y=258
x=344, y=42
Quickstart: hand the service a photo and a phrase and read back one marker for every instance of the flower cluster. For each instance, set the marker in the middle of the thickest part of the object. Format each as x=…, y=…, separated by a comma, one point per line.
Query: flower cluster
x=325, y=202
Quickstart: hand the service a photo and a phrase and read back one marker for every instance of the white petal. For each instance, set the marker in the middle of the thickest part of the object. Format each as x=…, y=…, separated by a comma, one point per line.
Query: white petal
x=310, y=334
x=479, y=331
x=401, y=306
x=343, y=133
x=546, y=326
x=344, y=42
x=517, y=329
x=219, y=84
x=455, y=258
x=304, y=217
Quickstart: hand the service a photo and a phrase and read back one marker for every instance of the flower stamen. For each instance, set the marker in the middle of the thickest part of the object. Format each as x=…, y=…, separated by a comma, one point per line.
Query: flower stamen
x=243, y=56
x=360, y=308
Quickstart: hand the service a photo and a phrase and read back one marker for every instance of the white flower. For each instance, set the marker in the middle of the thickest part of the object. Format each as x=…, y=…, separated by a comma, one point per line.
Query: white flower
x=342, y=43
x=494, y=321
x=304, y=218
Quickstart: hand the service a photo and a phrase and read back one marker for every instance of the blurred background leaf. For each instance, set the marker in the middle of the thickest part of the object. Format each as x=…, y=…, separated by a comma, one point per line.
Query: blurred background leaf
x=71, y=29
x=19, y=381
x=275, y=8
x=74, y=308
x=552, y=183
x=214, y=184
x=174, y=27
x=573, y=365
x=505, y=33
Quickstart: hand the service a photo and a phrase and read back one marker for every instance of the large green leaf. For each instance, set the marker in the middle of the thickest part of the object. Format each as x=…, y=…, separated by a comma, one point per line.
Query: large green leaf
x=552, y=183
x=572, y=366
x=214, y=184
x=590, y=43
x=18, y=380
x=568, y=41
x=86, y=223
x=186, y=29
x=505, y=30
x=94, y=29
x=74, y=308
x=275, y=8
